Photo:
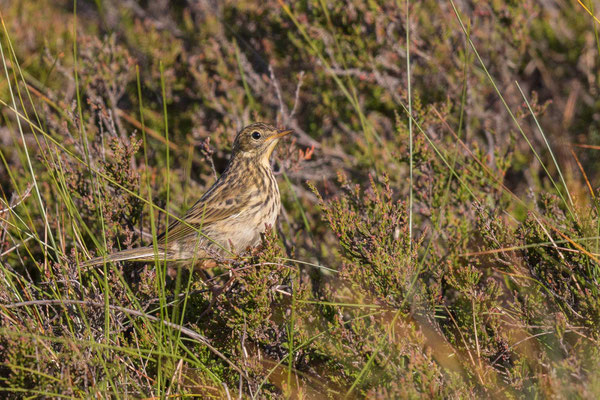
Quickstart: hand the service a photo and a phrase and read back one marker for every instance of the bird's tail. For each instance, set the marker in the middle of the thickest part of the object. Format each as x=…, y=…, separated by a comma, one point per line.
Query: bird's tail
x=140, y=254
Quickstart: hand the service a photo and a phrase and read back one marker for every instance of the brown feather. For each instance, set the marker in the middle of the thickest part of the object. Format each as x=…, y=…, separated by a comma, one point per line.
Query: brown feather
x=232, y=214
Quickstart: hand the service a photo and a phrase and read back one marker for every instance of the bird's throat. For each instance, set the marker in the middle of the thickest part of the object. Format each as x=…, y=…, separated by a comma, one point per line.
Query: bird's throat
x=265, y=158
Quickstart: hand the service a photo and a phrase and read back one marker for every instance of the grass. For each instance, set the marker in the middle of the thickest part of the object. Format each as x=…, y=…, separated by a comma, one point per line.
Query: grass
x=439, y=230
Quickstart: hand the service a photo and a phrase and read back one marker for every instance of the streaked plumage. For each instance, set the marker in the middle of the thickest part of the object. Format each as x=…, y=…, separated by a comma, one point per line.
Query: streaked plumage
x=232, y=214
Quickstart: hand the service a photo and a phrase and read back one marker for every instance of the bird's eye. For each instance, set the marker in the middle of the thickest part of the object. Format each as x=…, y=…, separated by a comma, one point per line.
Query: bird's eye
x=256, y=135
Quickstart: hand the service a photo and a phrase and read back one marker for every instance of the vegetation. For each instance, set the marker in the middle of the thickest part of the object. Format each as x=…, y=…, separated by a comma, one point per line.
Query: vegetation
x=440, y=228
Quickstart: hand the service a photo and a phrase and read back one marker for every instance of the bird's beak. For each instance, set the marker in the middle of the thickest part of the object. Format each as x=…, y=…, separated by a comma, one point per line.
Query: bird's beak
x=279, y=134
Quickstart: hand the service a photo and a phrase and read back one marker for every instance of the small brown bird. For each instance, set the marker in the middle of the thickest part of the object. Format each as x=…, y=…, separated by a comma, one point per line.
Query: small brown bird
x=231, y=215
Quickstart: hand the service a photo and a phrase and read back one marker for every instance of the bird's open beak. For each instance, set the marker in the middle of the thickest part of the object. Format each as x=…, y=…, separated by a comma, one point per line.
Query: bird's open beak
x=279, y=135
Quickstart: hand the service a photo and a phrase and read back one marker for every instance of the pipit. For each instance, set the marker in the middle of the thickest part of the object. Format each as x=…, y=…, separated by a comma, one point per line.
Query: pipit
x=231, y=216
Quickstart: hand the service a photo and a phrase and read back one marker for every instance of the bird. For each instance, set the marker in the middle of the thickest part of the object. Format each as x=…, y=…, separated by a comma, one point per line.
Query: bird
x=231, y=216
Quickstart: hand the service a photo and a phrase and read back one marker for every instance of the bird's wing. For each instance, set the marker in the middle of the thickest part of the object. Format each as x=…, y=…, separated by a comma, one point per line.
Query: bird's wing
x=222, y=201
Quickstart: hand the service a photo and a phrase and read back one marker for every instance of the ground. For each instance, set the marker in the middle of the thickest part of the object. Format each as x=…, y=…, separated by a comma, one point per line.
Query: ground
x=439, y=234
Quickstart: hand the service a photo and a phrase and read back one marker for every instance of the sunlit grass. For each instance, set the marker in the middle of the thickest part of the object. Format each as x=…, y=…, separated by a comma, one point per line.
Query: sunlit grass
x=453, y=256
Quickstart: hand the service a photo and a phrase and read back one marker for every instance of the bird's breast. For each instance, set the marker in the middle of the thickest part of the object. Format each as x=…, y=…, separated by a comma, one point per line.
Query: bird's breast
x=263, y=203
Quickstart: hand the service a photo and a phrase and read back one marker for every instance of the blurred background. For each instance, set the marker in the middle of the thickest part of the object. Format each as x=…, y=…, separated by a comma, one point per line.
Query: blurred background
x=453, y=254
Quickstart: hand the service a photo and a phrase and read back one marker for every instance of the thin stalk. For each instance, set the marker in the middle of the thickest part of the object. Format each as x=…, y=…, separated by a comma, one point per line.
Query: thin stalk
x=26, y=150
x=410, y=128
x=505, y=104
x=546, y=142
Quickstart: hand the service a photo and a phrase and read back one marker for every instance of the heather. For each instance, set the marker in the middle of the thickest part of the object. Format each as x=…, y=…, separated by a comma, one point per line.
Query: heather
x=439, y=234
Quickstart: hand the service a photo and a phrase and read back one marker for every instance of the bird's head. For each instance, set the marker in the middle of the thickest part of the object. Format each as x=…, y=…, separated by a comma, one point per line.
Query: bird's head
x=257, y=141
